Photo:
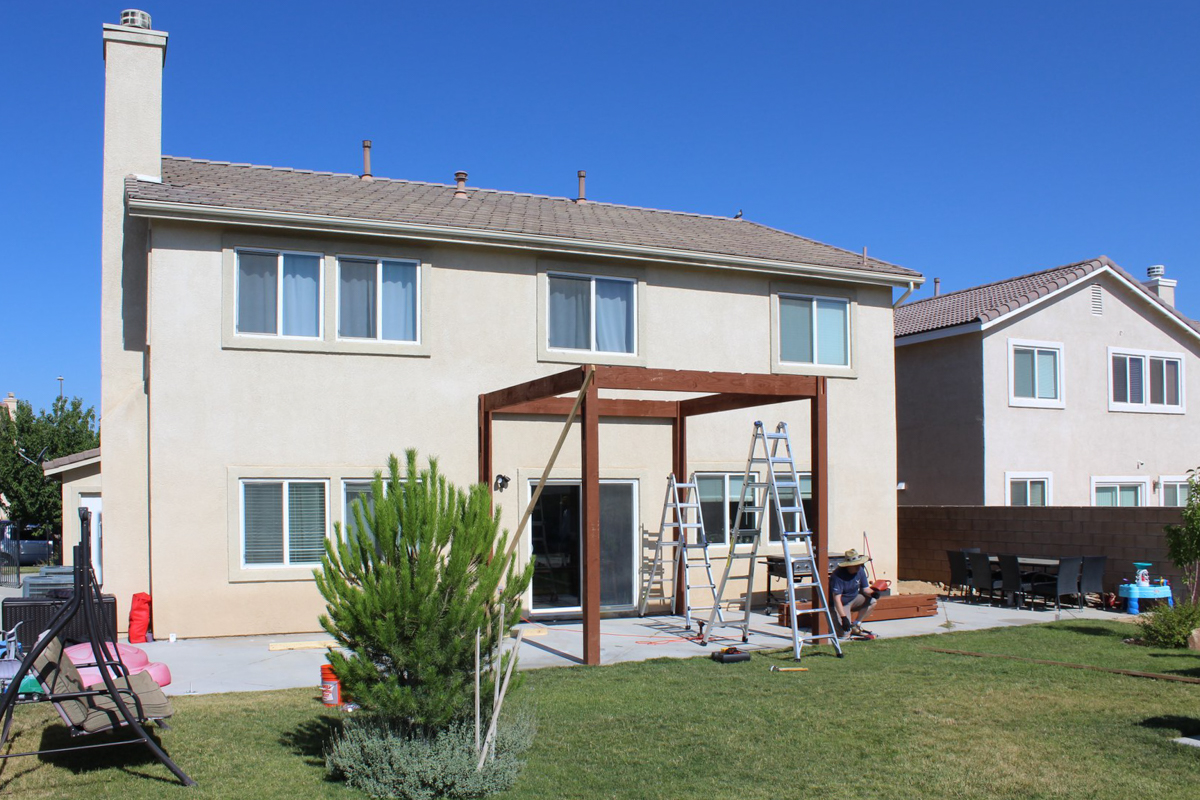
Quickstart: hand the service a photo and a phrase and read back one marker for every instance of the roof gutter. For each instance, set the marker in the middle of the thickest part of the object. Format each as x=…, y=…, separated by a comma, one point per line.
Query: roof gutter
x=193, y=212
x=912, y=287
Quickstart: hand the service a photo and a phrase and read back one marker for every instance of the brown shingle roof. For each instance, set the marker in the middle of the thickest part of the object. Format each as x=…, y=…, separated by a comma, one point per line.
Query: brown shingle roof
x=986, y=303
x=273, y=189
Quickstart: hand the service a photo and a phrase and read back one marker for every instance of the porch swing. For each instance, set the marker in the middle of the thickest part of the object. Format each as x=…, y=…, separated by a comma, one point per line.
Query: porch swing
x=103, y=706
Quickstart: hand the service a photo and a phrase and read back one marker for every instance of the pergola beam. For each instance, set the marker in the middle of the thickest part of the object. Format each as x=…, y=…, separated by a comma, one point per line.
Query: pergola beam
x=729, y=402
x=679, y=380
x=561, y=406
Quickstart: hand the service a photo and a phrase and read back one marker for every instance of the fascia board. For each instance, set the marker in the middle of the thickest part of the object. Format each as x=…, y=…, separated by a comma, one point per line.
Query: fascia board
x=186, y=212
x=940, y=333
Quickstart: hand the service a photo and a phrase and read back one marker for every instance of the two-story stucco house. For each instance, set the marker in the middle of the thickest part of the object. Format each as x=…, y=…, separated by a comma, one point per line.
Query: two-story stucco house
x=1068, y=387
x=271, y=335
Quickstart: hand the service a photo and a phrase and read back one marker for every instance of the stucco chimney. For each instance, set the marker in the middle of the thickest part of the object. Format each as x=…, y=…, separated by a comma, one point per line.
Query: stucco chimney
x=1163, y=287
x=133, y=67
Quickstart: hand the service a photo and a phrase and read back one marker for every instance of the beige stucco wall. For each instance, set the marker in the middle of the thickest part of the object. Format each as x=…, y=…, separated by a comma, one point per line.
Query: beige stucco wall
x=1085, y=438
x=939, y=421
x=219, y=413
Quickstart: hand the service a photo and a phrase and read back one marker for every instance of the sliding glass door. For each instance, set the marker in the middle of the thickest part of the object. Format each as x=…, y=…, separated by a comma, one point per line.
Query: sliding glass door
x=555, y=534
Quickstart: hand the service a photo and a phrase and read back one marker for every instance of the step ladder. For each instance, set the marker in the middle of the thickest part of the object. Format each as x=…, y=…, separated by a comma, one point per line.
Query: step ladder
x=779, y=492
x=681, y=517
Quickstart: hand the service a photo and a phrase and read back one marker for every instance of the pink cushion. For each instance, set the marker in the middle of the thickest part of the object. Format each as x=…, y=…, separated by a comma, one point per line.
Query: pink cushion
x=90, y=676
x=131, y=656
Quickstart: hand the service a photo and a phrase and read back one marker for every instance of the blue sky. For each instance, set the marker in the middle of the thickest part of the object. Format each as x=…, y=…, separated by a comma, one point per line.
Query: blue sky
x=970, y=141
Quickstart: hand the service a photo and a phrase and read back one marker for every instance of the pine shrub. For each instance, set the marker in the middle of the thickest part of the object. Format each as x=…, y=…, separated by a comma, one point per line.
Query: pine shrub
x=406, y=591
x=384, y=760
x=1168, y=626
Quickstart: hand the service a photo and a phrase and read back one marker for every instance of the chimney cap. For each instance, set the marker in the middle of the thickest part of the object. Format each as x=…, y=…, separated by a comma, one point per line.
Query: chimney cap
x=1156, y=271
x=135, y=18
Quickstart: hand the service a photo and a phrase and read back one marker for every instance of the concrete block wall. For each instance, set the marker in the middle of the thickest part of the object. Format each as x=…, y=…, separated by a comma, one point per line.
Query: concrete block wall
x=1125, y=535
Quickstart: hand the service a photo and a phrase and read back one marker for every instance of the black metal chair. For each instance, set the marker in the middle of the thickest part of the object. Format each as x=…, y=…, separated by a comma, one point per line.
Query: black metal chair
x=1066, y=583
x=960, y=573
x=1092, y=579
x=1015, y=584
x=982, y=577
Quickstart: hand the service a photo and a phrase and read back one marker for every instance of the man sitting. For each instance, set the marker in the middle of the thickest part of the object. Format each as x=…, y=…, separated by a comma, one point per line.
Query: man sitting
x=851, y=592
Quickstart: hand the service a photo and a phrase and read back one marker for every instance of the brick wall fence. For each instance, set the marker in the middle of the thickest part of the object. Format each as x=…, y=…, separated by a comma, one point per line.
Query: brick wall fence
x=1125, y=535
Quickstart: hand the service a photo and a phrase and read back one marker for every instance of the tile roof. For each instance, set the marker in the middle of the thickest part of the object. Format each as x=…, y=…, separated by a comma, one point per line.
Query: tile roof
x=982, y=304
x=273, y=189
x=74, y=458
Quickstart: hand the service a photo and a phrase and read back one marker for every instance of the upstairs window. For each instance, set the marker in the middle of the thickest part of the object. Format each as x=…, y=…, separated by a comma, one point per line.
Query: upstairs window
x=1119, y=492
x=1145, y=381
x=377, y=299
x=1028, y=489
x=279, y=294
x=814, y=330
x=1175, y=493
x=589, y=313
x=283, y=523
x=1035, y=374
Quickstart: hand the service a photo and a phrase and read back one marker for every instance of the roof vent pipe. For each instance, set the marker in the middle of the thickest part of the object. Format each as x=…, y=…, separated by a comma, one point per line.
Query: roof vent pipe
x=937, y=286
x=582, y=194
x=366, y=173
x=133, y=18
x=1156, y=271
x=460, y=178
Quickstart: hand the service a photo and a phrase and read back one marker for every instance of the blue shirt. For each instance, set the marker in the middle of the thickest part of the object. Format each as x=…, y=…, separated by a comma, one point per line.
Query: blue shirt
x=847, y=585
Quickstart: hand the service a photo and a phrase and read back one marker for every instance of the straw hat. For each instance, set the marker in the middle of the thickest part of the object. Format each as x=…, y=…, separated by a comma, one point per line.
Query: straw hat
x=851, y=558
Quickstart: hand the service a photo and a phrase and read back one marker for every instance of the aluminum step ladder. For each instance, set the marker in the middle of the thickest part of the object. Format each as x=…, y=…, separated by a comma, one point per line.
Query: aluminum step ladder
x=681, y=517
x=780, y=493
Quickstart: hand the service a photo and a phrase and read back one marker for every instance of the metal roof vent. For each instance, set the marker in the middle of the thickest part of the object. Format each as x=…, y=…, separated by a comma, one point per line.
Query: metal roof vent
x=134, y=18
x=1156, y=271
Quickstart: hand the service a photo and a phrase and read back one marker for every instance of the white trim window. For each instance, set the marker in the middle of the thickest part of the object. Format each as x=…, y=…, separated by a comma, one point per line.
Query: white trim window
x=353, y=490
x=814, y=330
x=591, y=314
x=284, y=522
x=1028, y=488
x=1120, y=491
x=279, y=294
x=378, y=299
x=1035, y=374
x=1146, y=381
x=1175, y=490
x=719, y=494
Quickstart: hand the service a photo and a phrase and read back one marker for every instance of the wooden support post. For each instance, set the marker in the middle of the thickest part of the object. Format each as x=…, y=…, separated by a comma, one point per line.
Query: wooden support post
x=679, y=467
x=485, y=444
x=819, y=416
x=590, y=519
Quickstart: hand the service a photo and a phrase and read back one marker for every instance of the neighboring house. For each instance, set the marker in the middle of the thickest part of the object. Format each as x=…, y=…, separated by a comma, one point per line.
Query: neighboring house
x=1065, y=387
x=79, y=474
x=270, y=335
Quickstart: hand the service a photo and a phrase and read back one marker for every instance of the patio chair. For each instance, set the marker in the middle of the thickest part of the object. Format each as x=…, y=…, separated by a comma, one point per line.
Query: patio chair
x=982, y=577
x=1015, y=584
x=1066, y=582
x=1092, y=579
x=960, y=573
x=90, y=709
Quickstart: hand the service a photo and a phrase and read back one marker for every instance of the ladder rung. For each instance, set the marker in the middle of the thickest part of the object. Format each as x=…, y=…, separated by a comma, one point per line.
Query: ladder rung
x=775, y=435
x=685, y=486
x=682, y=524
x=790, y=509
x=786, y=484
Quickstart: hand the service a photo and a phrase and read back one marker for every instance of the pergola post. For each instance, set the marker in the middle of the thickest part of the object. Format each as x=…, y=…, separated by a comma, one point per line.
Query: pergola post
x=590, y=518
x=485, y=444
x=819, y=418
x=679, y=467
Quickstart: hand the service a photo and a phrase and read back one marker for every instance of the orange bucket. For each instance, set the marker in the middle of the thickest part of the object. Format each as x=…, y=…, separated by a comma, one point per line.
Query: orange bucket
x=331, y=687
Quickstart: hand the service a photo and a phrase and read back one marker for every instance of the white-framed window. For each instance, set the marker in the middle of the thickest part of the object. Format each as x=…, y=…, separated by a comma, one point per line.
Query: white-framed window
x=1174, y=490
x=279, y=294
x=1035, y=374
x=720, y=493
x=591, y=313
x=378, y=298
x=1028, y=488
x=355, y=490
x=1120, y=491
x=814, y=330
x=284, y=522
x=1146, y=381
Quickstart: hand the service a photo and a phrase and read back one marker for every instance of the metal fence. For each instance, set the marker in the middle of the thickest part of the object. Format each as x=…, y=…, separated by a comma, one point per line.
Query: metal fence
x=10, y=547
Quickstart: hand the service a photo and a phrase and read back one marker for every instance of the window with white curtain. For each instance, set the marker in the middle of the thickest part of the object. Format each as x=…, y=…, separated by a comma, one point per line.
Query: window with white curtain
x=1175, y=492
x=814, y=330
x=1028, y=489
x=284, y=522
x=1119, y=491
x=279, y=294
x=591, y=313
x=377, y=299
x=1145, y=381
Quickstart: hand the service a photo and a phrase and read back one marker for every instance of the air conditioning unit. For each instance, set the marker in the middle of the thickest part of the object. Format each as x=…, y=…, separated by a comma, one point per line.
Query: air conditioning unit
x=38, y=613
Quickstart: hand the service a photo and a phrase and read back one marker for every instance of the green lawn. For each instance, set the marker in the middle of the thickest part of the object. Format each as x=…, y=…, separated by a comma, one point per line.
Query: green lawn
x=891, y=720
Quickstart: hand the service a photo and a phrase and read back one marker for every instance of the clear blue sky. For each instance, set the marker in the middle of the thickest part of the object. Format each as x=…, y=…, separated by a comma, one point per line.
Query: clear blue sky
x=969, y=141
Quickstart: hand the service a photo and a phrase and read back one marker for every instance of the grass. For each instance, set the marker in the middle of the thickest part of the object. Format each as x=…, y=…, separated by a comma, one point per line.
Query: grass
x=891, y=719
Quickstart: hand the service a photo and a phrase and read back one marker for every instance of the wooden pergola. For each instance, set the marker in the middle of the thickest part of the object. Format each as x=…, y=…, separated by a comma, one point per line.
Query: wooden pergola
x=720, y=391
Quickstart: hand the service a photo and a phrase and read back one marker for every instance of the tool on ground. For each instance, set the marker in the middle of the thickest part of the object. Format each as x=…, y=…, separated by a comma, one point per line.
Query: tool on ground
x=730, y=655
x=788, y=669
x=780, y=492
x=681, y=520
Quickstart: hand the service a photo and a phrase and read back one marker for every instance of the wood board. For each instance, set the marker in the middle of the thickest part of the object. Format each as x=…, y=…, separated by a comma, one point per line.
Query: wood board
x=896, y=606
